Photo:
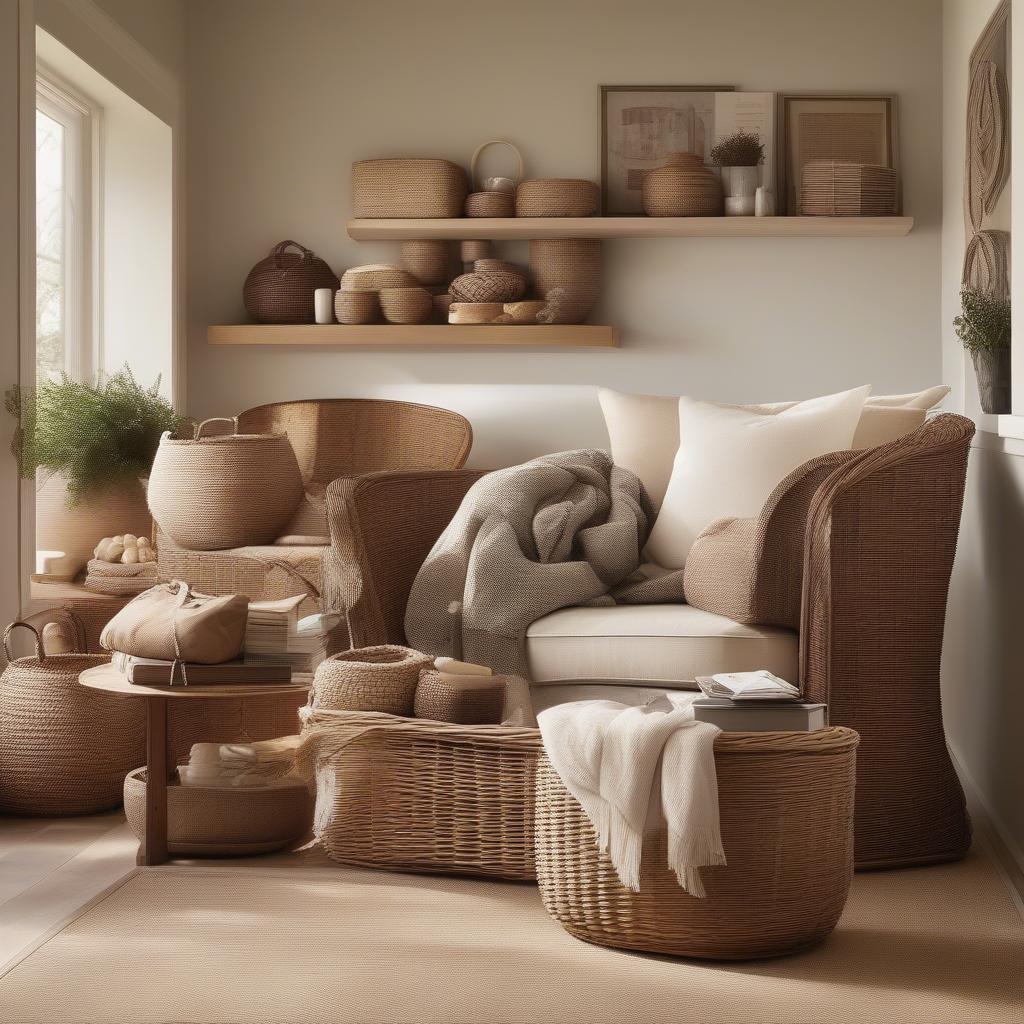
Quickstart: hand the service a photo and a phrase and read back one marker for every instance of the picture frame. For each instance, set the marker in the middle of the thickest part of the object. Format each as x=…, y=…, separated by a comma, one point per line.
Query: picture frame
x=866, y=131
x=640, y=125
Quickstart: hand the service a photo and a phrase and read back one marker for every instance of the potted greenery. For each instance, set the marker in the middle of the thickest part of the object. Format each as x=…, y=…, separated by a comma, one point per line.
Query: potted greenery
x=983, y=327
x=740, y=156
x=88, y=447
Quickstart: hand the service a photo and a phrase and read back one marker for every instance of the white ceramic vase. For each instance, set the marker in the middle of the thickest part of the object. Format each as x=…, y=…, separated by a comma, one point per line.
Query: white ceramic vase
x=740, y=182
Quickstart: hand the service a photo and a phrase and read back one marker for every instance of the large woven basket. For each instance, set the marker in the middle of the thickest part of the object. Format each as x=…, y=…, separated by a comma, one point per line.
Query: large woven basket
x=409, y=187
x=567, y=273
x=225, y=491
x=279, y=289
x=786, y=805
x=411, y=795
x=64, y=750
x=381, y=678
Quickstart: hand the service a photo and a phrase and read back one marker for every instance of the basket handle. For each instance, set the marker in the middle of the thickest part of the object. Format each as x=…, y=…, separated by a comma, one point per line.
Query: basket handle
x=494, y=142
x=279, y=250
x=40, y=654
x=233, y=420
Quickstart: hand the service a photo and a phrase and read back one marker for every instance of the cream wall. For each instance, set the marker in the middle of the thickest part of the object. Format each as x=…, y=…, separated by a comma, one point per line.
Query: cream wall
x=283, y=97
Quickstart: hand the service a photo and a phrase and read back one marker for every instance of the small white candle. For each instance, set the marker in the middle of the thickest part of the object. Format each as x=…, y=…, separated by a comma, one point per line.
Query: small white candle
x=323, y=305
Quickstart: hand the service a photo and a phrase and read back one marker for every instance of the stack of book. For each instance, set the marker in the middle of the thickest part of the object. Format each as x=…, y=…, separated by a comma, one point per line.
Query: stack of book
x=153, y=672
x=275, y=635
x=755, y=702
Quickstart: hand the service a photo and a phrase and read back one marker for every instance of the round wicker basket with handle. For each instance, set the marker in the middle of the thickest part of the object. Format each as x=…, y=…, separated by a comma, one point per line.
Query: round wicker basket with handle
x=490, y=184
x=381, y=678
x=279, y=289
x=64, y=750
x=224, y=491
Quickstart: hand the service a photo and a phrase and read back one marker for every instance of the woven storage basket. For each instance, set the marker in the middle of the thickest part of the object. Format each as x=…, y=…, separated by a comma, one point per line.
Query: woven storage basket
x=356, y=307
x=279, y=289
x=786, y=805
x=490, y=204
x=489, y=266
x=379, y=678
x=228, y=821
x=683, y=187
x=472, y=700
x=426, y=260
x=374, y=276
x=490, y=286
x=473, y=249
x=567, y=273
x=557, y=197
x=835, y=188
x=406, y=305
x=411, y=795
x=410, y=187
x=225, y=491
x=64, y=749
x=474, y=312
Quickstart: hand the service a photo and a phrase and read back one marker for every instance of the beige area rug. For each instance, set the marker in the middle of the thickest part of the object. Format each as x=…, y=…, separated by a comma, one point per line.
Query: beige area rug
x=299, y=940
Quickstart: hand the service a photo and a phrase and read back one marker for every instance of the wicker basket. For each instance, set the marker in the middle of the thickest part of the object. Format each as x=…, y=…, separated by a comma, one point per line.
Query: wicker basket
x=406, y=305
x=374, y=276
x=410, y=795
x=489, y=266
x=64, y=750
x=225, y=491
x=567, y=273
x=409, y=187
x=473, y=249
x=490, y=204
x=356, y=307
x=426, y=260
x=786, y=805
x=472, y=700
x=379, y=679
x=490, y=184
x=491, y=286
x=525, y=312
x=474, y=312
x=279, y=289
x=557, y=197
x=224, y=821
x=683, y=187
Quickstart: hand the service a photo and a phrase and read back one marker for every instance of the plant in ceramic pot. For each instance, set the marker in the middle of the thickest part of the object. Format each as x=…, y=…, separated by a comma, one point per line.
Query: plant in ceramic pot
x=983, y=328
x=88, y=447
x=740, y=156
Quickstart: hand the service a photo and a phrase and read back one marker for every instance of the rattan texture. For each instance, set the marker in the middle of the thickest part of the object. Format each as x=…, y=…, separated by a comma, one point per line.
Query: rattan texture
x=374, y=276
x=411, y=795
x=567, y=273
x=489, y=266
x=557, y=197
x=356, y=306
x=381, y=679
x=471, y=701
x=279, y=289
x=524, y=312
x=406, y=305
x=987, y=263
x=684, y=187
x=490, y=204
x=411, y=187
x=427, y=260
x=472, y=249
x=64, y=750
x=786, y=810
x=488, y=286
x=836, y=188
x=216, y=821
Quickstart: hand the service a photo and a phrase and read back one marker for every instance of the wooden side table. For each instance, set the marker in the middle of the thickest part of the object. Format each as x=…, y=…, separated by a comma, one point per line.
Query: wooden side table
x=158, y=769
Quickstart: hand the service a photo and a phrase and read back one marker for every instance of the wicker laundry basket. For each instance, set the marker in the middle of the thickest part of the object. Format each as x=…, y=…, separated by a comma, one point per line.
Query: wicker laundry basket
x=410, y=795
x=786, y=804
x=225, y=491
x=64, y=750
x=279, y=289
x=409, y=187
x=379, y=678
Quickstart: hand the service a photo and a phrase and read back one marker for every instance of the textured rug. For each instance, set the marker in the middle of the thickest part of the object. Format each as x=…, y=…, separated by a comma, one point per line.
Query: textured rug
x=289, y=942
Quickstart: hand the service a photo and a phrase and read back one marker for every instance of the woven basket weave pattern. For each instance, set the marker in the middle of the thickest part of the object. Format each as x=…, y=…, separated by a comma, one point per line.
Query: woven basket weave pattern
x=279, y=289
x=408, y=188
x=567, y=272
x=490, y=204
x=786, y=807
x=440, y=700
x=370, y=679
x=356, y=307
x=406, y=305
x=426, y=260
x=682, y=188
x=488, y=286
x=557, y=197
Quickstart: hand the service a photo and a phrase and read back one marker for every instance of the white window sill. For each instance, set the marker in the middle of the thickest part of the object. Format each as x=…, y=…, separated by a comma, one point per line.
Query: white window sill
x=1011, y=426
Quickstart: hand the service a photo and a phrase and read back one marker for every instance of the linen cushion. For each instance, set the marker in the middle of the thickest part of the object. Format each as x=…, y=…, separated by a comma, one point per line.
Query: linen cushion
x=732, y=459
x=666, y=645
x=644, y=429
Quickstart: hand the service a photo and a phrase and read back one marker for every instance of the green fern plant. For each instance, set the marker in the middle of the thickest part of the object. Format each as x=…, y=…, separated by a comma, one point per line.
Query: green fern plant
x=98, y=436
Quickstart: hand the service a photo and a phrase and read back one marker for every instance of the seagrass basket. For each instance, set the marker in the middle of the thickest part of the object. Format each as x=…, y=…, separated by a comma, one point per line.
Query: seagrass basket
x=567, y=273
x=488, y=286
x=490, y=204
x=474, y=312
x=64, y=750
x=279, y=289
x=375, y=276
x=557, y=197
x=408, y=187
x=786, y=806
x=409, y=795
x=381, y=678
x=356, y=307
x=406, y=305
x=426, y=260
x=469, y=700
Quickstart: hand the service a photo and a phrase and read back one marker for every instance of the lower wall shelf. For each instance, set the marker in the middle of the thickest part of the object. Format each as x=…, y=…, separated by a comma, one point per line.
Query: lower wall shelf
x=417, y=336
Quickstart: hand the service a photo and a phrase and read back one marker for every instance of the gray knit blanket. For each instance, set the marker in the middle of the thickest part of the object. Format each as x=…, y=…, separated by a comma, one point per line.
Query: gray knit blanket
x=562, y=530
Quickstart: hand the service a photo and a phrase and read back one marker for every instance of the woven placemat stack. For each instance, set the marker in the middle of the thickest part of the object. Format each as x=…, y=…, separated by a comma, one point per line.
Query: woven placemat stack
x=119, y=579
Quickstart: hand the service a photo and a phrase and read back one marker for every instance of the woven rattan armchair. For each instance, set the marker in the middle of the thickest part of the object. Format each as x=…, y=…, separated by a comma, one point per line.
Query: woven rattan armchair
x=853, y=550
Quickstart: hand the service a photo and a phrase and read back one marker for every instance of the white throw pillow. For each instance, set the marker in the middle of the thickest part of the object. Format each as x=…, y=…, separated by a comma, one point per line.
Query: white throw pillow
x=733, y=458
x=644, y=429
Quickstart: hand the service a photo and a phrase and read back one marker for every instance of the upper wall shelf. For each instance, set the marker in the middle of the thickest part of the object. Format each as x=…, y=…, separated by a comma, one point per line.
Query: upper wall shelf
x=399, y=230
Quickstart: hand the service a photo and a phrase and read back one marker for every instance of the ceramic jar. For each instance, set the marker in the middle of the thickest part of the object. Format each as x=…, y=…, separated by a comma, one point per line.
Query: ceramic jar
x=683, y=187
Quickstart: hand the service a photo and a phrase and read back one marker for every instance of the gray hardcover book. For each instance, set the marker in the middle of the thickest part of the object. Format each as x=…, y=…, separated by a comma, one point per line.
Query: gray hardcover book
x=767, y=716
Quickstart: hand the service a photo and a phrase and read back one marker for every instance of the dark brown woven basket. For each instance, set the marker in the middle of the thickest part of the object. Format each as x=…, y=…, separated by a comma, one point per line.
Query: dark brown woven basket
x=279, y=289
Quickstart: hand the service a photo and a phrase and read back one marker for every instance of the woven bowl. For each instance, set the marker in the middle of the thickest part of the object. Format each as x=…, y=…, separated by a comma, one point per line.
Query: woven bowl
x=381, y=678
x=474, y=312
x=426, y=260
x=492, y=286
x=557, y=197
x=490, y=204
x=356, y=307
x=406, y=305
x=374, y=276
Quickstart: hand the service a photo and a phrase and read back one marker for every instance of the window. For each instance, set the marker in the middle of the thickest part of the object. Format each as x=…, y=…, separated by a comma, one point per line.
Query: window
x=64, y=201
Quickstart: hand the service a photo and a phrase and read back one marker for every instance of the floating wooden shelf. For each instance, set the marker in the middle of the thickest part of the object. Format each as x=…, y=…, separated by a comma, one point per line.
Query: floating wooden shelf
x=419, y=336
x=630, y=227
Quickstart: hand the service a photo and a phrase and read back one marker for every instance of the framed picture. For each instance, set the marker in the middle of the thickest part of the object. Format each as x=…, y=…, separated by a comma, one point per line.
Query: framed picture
x=826, y=126
x=640, y=126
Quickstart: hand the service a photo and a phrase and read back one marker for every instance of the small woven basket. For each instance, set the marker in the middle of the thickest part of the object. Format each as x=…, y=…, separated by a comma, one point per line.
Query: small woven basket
x=410, y=795
x=408, y=187
x=406, y=305
x=381, y=679
x=374, y=276
x=489, y=286
x=490, y=204
x=356, y=307
x=472, y=249
x=489, y=266
x=557, y=197
x=426, y=260
x=786, y=811
x=472, y=700
x=279, y=289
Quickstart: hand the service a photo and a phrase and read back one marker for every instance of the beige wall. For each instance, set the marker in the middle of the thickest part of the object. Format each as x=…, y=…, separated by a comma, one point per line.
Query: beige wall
x=284, y=96
x=983, y=659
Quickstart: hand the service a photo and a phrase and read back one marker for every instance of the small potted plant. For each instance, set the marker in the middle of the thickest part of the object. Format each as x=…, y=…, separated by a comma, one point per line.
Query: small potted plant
x=983, y=328
x=88, y=448
x=740, y=156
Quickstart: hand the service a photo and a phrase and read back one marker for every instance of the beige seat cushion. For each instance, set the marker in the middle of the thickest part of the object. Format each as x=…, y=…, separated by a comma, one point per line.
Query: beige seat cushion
x=657, y=644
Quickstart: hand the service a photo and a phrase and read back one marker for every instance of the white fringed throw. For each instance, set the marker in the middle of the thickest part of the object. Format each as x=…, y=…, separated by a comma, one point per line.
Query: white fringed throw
x=607, y=755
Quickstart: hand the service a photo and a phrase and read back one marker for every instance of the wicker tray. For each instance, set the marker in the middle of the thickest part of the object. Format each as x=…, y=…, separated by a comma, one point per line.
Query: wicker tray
x=413, y=795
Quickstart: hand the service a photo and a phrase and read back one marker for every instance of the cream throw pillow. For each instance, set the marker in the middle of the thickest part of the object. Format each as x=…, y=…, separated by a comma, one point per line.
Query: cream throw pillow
x=734, y=457
x=644, y=429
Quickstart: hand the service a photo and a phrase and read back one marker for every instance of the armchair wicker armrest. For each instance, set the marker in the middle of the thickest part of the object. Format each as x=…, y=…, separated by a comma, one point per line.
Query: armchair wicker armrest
x=382, y=527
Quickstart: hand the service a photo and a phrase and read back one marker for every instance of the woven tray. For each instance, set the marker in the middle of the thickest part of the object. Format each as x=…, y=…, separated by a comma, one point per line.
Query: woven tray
x=411, y=795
